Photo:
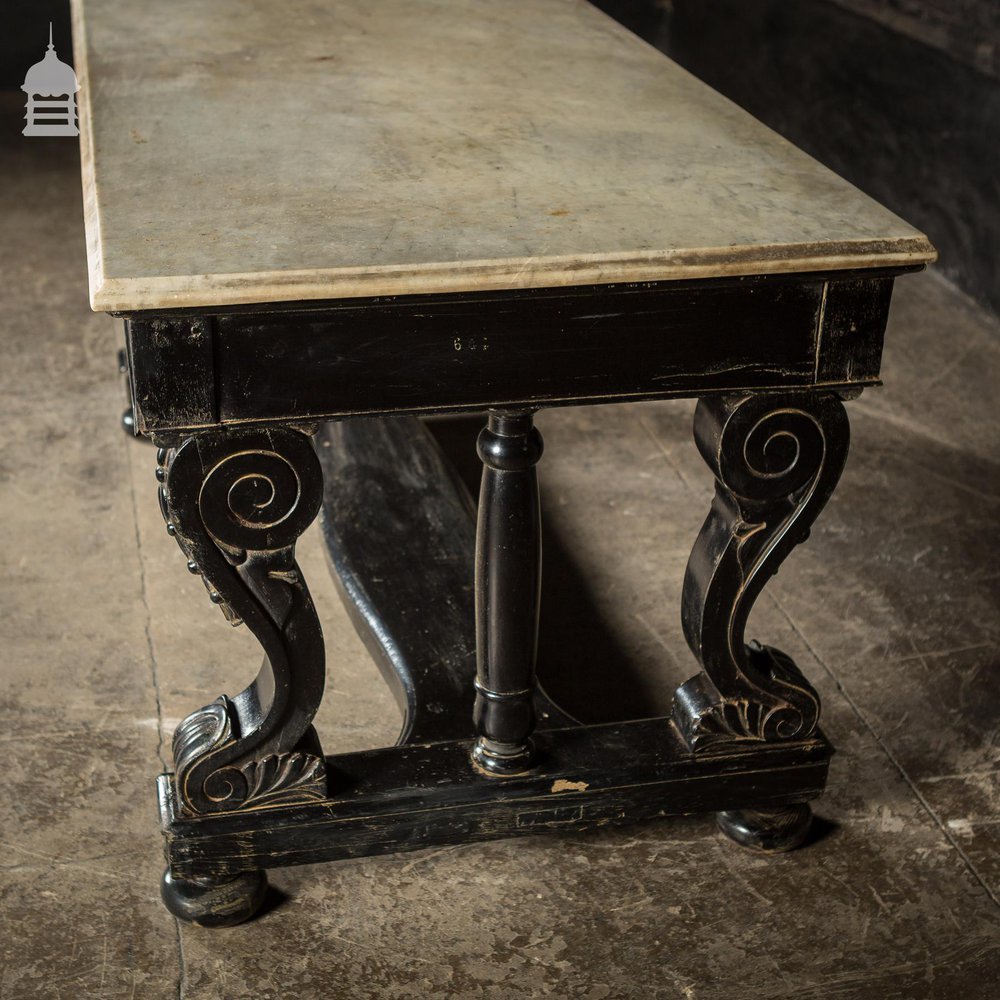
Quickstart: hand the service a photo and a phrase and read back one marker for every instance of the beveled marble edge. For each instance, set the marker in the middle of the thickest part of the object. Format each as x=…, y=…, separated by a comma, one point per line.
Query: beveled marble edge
x=91, y=210
x=183, y=291
x=140, y=293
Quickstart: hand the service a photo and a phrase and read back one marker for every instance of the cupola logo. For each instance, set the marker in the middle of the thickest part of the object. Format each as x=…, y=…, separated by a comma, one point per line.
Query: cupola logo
x=51, y=88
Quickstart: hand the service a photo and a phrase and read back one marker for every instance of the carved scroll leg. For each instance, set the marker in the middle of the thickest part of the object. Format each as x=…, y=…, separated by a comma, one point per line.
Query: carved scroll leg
x=508, y=582
x=776, y=459
x=236, y=501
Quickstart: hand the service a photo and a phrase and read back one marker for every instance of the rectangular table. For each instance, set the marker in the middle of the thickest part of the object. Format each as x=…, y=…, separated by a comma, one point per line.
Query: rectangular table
x=306, y=213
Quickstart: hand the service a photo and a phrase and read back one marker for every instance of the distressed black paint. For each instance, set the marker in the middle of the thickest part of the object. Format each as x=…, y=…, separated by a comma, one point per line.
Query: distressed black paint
x=471, y=352
x=251, y=789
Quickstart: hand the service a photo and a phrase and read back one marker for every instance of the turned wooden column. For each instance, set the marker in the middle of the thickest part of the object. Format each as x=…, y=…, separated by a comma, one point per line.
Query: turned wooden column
x=508, y=580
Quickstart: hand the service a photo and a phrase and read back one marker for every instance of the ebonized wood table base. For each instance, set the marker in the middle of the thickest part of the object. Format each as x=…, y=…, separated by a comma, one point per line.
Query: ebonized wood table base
x=421, y=795
x=447, y=603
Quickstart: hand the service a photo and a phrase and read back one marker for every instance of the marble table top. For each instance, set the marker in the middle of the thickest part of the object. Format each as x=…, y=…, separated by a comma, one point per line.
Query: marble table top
x=237, y=153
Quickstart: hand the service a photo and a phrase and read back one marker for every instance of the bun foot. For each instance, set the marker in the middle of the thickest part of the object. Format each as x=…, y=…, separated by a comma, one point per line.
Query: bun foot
x=214, y=902
x=767, y=830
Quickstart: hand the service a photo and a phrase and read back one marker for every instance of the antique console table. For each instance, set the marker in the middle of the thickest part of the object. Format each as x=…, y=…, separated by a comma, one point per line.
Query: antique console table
x=308, y=214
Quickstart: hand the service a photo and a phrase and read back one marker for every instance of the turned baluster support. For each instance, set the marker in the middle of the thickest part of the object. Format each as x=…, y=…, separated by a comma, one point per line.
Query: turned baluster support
x=508, y=583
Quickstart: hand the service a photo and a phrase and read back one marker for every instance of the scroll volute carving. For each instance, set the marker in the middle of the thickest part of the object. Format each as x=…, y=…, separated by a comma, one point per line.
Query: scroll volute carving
x=236, y=501
x=776, y=459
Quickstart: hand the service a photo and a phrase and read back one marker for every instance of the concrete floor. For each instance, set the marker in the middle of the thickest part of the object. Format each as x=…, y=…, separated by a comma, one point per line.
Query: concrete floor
x=891, y=608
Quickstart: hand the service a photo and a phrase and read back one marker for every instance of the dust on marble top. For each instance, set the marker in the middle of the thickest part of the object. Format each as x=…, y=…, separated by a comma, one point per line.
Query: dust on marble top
x=303, y=150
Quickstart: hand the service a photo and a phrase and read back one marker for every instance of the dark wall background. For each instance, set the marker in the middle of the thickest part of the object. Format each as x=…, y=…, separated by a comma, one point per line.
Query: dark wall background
x=902, y=97
x=968, y=29
x=24, y=34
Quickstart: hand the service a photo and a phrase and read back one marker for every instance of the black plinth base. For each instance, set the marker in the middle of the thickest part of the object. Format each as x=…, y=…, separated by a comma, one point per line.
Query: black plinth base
x=406, y=798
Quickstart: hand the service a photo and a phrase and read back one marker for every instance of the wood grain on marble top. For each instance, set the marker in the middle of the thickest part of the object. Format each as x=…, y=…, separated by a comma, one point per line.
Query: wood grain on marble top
x=312, y=149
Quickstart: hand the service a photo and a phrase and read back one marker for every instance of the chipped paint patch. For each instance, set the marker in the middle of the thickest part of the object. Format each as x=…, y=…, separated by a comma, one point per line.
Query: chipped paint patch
x=562, y=785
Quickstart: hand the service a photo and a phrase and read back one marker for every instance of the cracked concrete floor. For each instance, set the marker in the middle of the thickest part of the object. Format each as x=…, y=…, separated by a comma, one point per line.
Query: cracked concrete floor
x=891, y=608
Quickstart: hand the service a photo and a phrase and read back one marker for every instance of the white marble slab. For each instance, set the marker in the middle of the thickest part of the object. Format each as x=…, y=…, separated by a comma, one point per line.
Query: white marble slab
x=253, y=152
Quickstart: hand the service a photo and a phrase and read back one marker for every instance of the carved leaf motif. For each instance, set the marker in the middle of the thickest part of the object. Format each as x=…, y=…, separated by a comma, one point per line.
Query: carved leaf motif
x=287, y=777
x=208, y=728
x=749, y=719
x=729, y=720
